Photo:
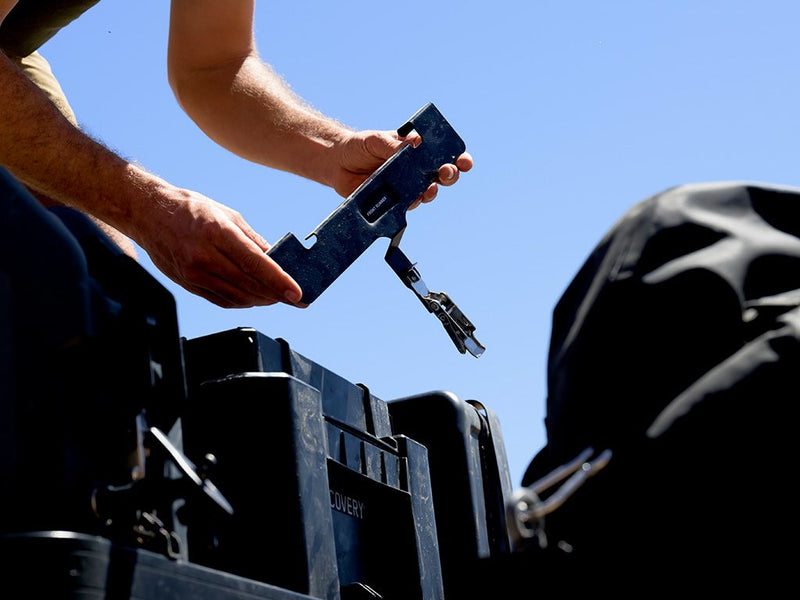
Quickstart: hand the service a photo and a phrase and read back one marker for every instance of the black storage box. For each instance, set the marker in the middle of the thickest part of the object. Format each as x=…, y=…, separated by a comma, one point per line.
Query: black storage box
x=469, y=478
x=326, y=497
x=89, y=351
x=332, y=493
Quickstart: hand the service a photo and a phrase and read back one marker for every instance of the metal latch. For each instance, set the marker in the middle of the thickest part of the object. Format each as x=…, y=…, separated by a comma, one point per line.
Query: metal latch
x=458, y=327
x=527, y=508
x=130, y=510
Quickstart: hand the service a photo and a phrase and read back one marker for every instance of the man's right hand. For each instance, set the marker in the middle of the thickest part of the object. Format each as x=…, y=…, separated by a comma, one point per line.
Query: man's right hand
x=210, y=250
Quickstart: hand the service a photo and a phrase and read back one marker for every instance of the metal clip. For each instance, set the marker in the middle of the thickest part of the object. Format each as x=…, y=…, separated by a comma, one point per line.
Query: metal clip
x=151, y=533
x=191, y=472
x=526, y=509
x=458, y=327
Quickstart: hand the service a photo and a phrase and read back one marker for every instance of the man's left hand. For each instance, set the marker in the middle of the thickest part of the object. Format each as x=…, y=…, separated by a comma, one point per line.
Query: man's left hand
x=364, y=151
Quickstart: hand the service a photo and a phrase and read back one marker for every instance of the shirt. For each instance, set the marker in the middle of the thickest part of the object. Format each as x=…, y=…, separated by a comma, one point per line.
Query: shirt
x=31, y=23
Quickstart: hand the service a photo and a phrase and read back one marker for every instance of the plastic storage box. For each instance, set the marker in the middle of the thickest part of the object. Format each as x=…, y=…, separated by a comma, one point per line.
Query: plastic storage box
x=470, y=481
x=89, y=351
x=327, y=498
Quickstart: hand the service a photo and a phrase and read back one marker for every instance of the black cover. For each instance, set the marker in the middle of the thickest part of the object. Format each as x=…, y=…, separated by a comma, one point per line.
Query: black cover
x=89, y=342
x=31, y=23
x=676, y=346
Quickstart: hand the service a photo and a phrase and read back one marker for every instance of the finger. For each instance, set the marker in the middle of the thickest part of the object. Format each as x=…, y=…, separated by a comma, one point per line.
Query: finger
x=259, y=275
x=221, y=293
x=430, y=194
x=236, y=269
x=427, y=196
x=464, y=162
x=201, y=278
x=221, y=281
x=382, y=144
x=448, y=174
x=250, y=232
x=256, y=272
x=413, y=139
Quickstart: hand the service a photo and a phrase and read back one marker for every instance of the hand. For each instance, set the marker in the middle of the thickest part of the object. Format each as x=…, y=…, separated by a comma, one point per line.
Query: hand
x=211, y=251
x=364, y=151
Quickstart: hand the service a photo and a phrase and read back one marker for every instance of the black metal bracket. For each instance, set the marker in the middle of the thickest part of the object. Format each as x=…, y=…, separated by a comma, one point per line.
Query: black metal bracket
x=377, y=209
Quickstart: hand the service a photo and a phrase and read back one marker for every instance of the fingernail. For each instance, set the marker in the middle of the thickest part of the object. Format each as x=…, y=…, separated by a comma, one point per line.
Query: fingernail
x=293, y=296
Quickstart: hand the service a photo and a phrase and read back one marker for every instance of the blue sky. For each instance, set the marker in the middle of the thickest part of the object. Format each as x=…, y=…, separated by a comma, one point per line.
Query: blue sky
x=573, y=110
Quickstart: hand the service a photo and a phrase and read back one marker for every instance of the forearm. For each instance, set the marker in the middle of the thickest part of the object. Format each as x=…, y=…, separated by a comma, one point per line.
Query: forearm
x=46, y=152
x=247, y=108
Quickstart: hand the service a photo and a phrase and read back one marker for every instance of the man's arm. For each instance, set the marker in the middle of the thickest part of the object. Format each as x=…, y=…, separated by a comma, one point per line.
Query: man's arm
x=235, y=98
x=204, y=246
x=243, y=105
x=47, y=153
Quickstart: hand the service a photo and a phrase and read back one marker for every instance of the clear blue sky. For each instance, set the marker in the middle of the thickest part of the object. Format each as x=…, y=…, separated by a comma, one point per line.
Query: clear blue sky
x=573, y=111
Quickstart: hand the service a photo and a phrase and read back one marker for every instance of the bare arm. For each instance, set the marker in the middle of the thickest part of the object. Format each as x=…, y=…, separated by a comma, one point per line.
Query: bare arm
x=237, y=99
x=45, y=151
x=240, y=102
x=202, y=245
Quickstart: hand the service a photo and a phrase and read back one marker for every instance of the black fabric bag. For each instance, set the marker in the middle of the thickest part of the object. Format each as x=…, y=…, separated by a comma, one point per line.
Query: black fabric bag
x=677, y=347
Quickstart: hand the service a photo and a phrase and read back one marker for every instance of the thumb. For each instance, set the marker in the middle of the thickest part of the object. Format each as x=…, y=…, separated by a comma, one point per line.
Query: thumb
x=383, y=144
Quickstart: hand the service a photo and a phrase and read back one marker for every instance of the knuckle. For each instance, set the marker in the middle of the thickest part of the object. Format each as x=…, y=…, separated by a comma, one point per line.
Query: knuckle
x=209, y=229
x=197, y=261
